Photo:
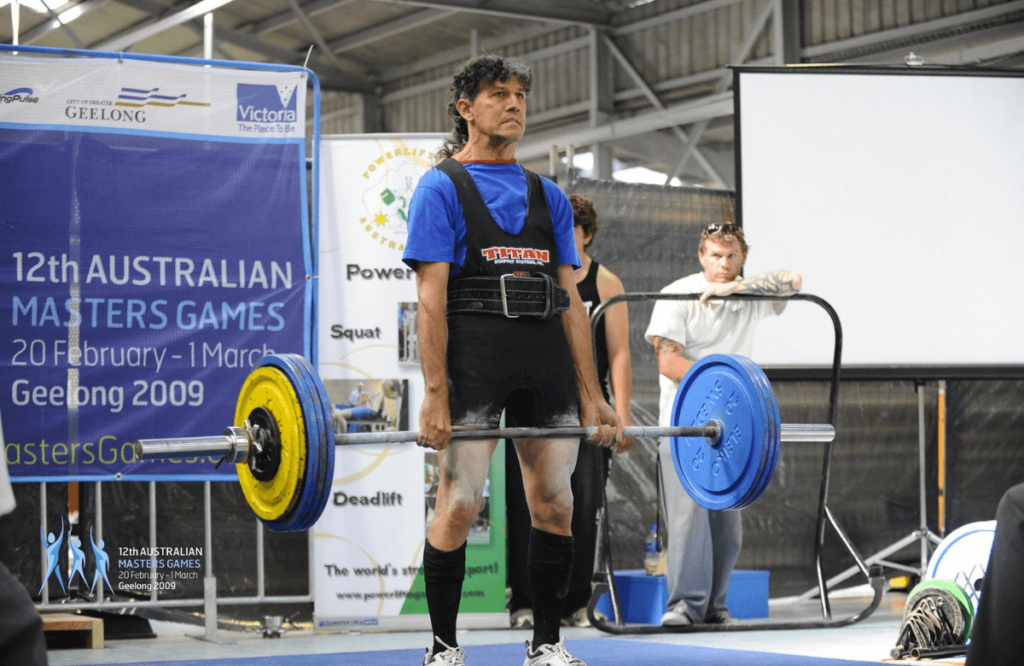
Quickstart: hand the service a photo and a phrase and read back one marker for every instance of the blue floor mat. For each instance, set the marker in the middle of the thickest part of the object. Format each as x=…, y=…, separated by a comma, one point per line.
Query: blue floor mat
x=594, y=651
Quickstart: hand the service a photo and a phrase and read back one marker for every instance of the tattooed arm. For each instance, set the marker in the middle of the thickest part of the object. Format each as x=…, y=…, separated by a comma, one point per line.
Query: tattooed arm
x=776, y=283
x=671, y=361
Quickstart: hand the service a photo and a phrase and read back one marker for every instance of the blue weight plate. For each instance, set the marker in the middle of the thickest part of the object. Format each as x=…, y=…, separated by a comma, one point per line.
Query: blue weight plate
x=314, y=458
x=775, y=430
x=719, y=477
x=328, y=447
x=772, y=439
x=316, y=488
x=324, y=444
x=756, y=487
x=293, y=520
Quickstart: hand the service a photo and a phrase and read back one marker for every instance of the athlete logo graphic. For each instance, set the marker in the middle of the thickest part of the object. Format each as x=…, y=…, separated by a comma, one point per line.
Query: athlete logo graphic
x=102, y=564
x=52, y=546
x=77, y=561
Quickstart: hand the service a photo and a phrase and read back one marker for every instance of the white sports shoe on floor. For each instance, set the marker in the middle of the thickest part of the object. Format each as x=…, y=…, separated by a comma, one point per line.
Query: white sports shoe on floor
x=522, y=619
x=580, y=619
x=453, y=656
x=675, y=618
x=551, y=655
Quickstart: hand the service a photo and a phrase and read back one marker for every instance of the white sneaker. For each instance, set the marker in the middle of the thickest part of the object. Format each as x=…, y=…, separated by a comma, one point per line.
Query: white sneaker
x=551, y=655
x=580, y=619
x=522, y=619
x=675, y=618
x=453, y=656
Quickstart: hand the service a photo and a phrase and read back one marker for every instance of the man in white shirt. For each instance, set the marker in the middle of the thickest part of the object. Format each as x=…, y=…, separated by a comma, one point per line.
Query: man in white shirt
x=703, y=545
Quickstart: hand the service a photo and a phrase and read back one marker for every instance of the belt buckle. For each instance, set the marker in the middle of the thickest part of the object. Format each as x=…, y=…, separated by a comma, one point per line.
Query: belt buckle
x=504, y=299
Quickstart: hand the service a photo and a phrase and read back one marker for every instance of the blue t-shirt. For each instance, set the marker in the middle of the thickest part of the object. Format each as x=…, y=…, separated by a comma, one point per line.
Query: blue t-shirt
x=437, y=225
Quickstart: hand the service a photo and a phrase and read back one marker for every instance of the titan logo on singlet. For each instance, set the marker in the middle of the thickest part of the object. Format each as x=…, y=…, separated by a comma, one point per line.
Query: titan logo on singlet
x=521, y=255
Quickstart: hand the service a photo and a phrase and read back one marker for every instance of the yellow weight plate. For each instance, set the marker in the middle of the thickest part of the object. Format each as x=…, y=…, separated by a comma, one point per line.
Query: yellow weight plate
x=269, y=388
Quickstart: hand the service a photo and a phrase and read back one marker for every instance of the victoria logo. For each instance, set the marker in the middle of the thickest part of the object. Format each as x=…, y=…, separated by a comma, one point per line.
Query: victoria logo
x=267, y=104
x=23, y=95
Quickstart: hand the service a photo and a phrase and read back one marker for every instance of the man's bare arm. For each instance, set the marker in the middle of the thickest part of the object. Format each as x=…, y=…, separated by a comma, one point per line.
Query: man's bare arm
x=671, y=361
x=620, y=364
x=595, y=410
x=775, y=283
x=435, y=419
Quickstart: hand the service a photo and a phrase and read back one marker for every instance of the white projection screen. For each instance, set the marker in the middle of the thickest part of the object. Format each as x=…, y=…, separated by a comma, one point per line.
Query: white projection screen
x=898, y=195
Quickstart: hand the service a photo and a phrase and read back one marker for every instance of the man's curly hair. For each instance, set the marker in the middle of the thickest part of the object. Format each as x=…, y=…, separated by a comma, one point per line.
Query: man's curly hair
x=584, y=215
x=466, y=85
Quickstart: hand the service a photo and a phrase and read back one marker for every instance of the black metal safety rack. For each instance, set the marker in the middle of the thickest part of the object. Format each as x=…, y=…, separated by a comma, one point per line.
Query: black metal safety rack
x=604, y=579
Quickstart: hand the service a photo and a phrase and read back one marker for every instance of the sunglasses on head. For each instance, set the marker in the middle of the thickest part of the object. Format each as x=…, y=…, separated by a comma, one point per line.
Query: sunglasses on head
x=726, y=228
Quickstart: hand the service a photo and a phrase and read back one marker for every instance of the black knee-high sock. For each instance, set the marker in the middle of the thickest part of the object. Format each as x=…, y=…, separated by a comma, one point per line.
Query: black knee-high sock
x=443, y=573
x=550, y=564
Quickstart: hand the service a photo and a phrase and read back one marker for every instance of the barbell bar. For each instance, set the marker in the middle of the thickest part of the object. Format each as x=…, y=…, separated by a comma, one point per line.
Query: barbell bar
x=234, y=445
x=724, y=437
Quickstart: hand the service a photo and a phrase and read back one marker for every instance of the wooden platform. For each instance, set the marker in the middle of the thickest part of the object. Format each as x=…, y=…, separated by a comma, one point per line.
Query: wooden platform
x=92, y=626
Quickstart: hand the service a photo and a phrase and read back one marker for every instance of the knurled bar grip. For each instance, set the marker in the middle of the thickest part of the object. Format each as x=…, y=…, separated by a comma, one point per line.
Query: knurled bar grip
x=147, y=449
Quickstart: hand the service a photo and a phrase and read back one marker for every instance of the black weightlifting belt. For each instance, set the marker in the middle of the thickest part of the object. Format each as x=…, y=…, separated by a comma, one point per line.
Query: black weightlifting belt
x=535, y=296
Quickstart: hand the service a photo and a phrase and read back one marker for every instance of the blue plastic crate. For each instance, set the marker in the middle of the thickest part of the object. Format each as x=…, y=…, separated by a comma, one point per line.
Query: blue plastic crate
x=643, y=598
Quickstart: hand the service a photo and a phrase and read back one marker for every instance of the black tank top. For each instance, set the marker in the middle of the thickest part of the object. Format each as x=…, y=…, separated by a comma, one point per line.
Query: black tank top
x=591, y=299
x=490, y=250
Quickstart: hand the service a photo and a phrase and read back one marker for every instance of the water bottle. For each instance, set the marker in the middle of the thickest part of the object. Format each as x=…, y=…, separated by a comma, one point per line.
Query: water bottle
x=651, y=556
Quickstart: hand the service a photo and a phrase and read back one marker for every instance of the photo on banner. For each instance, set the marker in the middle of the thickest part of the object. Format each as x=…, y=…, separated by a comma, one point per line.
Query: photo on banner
x=368, y=405
x=408, y=334
x=369, y=542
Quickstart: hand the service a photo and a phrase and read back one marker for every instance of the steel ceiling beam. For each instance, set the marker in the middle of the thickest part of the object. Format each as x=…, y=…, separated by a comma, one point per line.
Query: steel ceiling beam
x=63, y=26
x=712, y=106
x=654, y=99
x=65, y=15
x=740, y=55
x=132, y=37
x=315, y=34
x=330, y=77
x=917, y=30
x=554, y=12
x=285, y=19
x=387, y=29
x=448, y=56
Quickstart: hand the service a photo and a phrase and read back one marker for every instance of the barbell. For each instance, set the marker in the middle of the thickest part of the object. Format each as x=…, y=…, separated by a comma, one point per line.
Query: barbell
x=725, y=436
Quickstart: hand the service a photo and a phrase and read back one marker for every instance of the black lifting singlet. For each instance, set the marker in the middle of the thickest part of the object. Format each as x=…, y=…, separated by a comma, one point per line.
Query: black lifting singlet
x=591, y=299
x=490, y=250
x=522, y=365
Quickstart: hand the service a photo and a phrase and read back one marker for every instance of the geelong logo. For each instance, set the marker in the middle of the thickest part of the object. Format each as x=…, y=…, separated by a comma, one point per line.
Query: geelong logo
x=508, y=255
x=267, y=104
x=18, y=95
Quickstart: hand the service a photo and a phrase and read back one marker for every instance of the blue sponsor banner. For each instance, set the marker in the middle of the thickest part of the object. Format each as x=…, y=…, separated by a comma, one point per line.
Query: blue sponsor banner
x=144, y=270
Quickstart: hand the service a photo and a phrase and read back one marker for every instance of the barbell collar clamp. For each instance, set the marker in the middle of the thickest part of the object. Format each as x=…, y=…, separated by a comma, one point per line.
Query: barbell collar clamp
x=233, y=446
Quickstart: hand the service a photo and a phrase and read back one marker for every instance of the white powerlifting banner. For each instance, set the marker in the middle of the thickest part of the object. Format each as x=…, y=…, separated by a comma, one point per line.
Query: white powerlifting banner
x=369, y=541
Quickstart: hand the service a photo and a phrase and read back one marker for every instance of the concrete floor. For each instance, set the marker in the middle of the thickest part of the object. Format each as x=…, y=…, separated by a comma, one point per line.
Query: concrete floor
x=868, y=640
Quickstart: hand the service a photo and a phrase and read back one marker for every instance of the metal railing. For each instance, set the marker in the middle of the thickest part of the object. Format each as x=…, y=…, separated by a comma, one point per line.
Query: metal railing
x=604, y=576
x=209, y=601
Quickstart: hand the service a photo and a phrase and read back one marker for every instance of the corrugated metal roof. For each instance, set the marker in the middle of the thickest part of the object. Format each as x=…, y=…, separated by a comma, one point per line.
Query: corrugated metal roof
x=402, y=52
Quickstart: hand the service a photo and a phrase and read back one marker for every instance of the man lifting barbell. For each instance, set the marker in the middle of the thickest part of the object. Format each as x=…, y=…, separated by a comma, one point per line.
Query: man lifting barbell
x=501, y=326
